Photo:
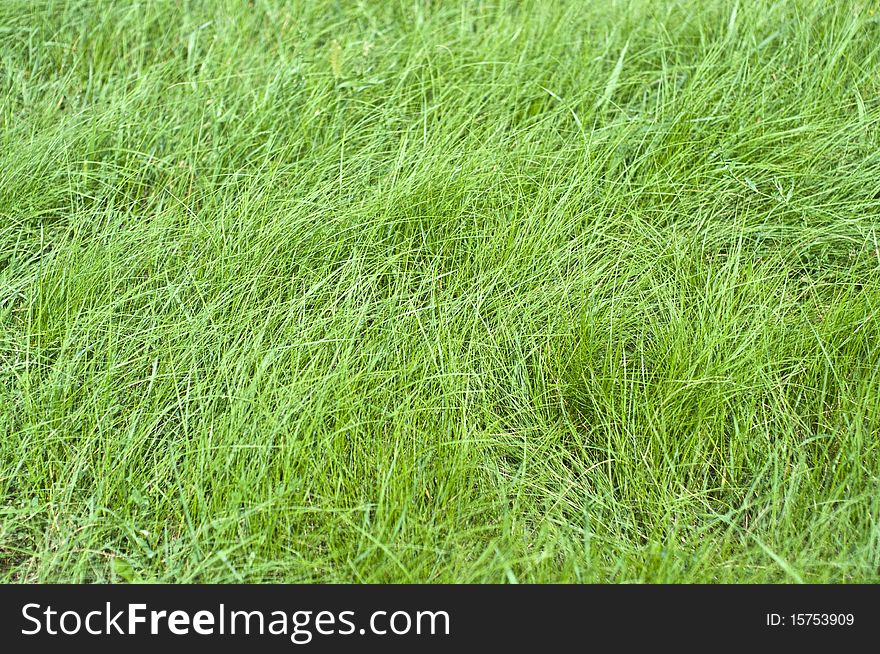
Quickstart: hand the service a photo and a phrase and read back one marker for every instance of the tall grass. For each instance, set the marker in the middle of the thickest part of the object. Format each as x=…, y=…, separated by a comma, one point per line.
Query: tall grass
x=440, y=291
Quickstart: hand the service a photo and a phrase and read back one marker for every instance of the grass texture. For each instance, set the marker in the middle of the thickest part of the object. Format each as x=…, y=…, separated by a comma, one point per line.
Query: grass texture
x=440, y=291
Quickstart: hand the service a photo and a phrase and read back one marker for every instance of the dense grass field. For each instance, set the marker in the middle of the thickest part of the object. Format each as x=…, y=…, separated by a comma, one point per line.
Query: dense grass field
x=411, y=291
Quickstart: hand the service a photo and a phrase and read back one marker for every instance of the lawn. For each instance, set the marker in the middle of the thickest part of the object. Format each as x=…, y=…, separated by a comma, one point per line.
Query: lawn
x=422, y=291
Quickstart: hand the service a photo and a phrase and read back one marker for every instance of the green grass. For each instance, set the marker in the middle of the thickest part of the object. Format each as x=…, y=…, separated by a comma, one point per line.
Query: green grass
x=440, y=291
